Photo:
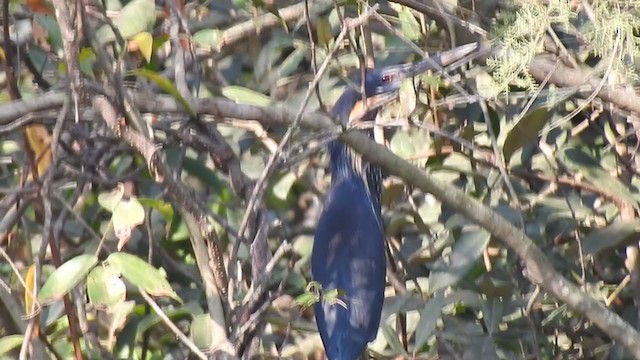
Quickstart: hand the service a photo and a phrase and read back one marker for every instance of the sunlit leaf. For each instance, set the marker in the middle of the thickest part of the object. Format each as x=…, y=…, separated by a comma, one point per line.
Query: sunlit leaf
x=64, y=278
x=407, y=97
x=202, y=331
x=126, y=216
x=29, y=281
x=142, y=42
x=412, y=145
x=283, y=186
x=104, y=288
x=142, y=274
x=9, y=343
x=409, y=25
x=135, y=17
x=242, y=95
x=209, y=38
x=110, y=200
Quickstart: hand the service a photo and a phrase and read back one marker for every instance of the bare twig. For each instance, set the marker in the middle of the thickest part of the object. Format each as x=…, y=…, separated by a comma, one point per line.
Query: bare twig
x=174, y=329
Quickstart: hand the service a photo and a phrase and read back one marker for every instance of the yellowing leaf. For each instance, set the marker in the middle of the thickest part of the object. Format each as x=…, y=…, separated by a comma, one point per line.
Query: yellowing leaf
x=39, y=141
x=29, y=291
x=142, y=42
x=86, y=59
x=323, y=30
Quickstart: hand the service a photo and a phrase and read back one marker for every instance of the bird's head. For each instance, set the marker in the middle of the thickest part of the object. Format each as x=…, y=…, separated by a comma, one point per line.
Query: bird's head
x=381, y=85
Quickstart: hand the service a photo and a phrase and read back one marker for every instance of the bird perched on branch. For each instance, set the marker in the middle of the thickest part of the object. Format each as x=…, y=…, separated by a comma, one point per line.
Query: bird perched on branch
x=348, y=258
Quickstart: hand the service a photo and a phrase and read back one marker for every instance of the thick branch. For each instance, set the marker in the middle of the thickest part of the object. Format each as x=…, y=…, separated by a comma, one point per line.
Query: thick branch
x=623, y=97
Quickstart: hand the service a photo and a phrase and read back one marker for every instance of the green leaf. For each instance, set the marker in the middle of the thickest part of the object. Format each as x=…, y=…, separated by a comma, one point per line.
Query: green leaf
x=408, y=24
x=66, y=277
x=126, y=216
x=105, y=288
x=202, y=331
x=8, y=343
x=209, y=38
x=86, y=59
x=617, y=234
x=110, y=200
x=323, y=30
x=407, y=97
x=135, y=17
x=392, y=338
x=283, y=186
x=166, y=86
x=242, y=95
x=411, y=145
x=578, y=161
x=492, y=313
x=127, y=213
x=524, y=131
x=164, y=208
x=466, y=251
x=291, y=64
x=142, y=274
x=429, y=319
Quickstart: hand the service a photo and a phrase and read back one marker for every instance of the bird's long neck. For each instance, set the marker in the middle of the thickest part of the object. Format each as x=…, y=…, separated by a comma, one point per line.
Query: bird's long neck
x=346, y=164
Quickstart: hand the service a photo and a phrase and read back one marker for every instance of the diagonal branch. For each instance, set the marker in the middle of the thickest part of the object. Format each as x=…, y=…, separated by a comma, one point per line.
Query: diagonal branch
x=539, y=268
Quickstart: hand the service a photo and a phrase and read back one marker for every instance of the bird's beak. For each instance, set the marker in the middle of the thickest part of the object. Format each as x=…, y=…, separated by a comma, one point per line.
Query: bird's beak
x=435, y=62
x=444, y=58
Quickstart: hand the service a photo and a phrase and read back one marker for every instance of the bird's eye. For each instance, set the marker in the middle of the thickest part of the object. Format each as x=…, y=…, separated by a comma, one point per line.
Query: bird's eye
x=387, y=78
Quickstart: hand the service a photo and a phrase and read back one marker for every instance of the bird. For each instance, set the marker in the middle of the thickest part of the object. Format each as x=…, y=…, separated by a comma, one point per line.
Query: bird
x=348, y=256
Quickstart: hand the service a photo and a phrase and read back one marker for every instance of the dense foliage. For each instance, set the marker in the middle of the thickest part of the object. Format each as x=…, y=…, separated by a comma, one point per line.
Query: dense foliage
x=162, y=168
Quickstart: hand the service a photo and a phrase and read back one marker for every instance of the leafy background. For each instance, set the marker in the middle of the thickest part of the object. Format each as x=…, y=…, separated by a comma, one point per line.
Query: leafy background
x=109, y=252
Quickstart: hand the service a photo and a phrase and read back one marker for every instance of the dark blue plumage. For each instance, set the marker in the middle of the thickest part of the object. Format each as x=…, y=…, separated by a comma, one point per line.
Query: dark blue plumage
x=348, y=252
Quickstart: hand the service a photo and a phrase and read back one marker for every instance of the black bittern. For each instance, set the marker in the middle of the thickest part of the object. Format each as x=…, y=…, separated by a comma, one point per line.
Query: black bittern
x=348, y=255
